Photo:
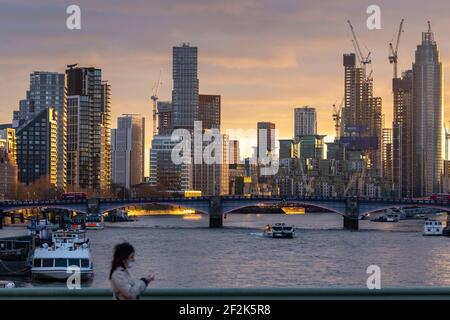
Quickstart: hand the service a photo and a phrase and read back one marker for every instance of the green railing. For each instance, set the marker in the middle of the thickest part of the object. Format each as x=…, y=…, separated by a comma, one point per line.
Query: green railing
x=233, y=294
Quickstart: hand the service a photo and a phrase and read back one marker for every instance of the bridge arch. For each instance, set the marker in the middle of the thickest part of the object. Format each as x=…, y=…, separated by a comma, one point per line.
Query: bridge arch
x=339, y=209
x=200, y=208
x=392, y=206
x=60, y=207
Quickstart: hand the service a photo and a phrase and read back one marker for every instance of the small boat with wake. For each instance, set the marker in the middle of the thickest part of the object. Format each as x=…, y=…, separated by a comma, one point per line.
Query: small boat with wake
x=279, y=230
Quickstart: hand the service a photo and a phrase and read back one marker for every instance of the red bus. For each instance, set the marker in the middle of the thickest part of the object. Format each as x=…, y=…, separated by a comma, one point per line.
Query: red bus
x=441, y=197
x=74, y=196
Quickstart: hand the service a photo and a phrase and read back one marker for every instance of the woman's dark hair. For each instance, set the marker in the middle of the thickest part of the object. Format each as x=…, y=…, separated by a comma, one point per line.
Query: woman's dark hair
x=121, y=252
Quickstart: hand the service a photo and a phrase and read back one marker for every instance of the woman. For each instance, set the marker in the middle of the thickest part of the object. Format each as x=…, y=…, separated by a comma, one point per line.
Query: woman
x=124, y=287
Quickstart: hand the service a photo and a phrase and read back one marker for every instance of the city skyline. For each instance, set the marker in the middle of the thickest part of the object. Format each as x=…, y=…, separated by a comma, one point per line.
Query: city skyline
x=303, y=67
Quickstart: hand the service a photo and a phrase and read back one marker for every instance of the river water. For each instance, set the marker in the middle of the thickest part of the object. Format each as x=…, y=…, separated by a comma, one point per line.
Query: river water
x=185, y=253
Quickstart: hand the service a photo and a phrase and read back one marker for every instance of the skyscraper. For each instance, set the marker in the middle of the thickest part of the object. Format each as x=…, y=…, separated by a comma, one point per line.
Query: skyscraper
x=234, y=152
x=47, y=89
x=428, y=117
x=165, y=111
x=402, y=135
x=88, y=132
x=266, y=139
x=386, y=154
x=362, y=112
x=164, y=173
x=305, y=122
x=185, y=98
x=128, y=142
x=37, y=148
x=209, y=111
x=212, y=179
x=8, y=163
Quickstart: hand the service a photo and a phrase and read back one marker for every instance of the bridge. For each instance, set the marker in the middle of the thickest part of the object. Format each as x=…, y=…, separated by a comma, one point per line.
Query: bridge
x=350, y=208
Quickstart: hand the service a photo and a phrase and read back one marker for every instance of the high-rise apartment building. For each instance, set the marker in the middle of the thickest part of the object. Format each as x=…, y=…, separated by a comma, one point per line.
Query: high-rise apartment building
x=265, y=138
x=212, y=178
x=387, y=154
x=164, y=173
x=128, y=147
x=37, y=148
x=88, y=130
x=234, y=152
x=165, y=111
x=402, y=135
x=185, y=92
x=305, y=122
x=209, y=111
x=47, y=89
x=428, y=117
x=8, y=163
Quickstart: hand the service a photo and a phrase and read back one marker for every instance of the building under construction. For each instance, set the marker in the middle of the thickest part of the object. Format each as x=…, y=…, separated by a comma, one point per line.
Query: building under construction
x=402, y=134
x=361, y=113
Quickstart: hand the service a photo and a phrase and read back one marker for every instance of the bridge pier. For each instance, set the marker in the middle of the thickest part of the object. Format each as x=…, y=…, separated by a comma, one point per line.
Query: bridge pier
x=215, y=213
x=351, y=218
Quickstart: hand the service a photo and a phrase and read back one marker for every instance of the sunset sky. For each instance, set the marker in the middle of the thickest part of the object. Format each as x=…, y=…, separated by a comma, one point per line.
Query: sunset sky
x=264, y=57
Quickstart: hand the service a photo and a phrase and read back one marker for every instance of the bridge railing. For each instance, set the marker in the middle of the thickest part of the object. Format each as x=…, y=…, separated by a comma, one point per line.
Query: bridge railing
x=233, y=293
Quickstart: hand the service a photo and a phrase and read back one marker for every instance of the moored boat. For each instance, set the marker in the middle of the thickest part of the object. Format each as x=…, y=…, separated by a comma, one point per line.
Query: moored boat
x=94, y=222
x=433, y=228
x=15, y=256
x=70, y=251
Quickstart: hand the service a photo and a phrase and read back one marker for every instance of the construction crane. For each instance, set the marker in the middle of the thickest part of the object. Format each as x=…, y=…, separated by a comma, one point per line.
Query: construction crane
x=393, y=54
x=337, y=115
x=154, y=98
x=363, y=60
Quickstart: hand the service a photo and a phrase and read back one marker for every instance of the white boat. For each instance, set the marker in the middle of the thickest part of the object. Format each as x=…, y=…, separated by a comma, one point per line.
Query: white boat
x=42, y=229
x=94, y=222
x=396, y=213
x=433, y=228
x=390, y=217
x=7, y=285
x=279, y=230
x=70, y=250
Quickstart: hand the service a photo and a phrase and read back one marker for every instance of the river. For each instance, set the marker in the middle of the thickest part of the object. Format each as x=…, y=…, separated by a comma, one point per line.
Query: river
x=185, y=253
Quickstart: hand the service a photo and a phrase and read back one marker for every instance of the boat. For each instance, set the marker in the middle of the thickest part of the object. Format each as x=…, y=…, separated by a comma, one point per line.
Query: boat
x=399, y=213
x=119, y=215
x=279, y=230
x=365, y=216
x=15, y=256
x=42, y=230
x=94, y=222
x=70, y=249
x=386, y=218
x=7, y=285
x=433, y=228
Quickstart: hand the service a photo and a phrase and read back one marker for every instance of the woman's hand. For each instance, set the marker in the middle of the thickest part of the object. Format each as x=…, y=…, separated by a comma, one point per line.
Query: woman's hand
x=150, y=278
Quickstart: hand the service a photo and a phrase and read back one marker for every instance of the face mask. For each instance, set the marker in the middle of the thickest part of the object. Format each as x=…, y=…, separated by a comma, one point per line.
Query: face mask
x=130, y=264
